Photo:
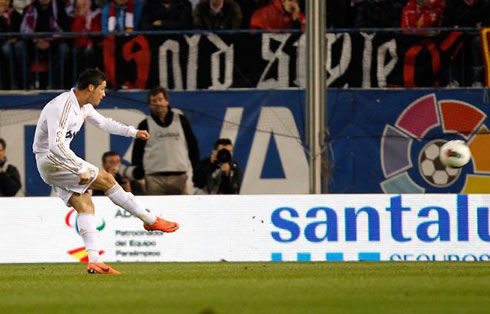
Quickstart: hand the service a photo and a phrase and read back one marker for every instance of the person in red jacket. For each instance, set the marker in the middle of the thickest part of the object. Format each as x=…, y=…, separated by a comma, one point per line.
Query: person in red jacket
x=423, y=13
x=280, y=14
x=85, y=20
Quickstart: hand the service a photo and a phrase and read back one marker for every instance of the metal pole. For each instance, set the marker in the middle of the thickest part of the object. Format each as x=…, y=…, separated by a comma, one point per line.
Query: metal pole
x=315, y=88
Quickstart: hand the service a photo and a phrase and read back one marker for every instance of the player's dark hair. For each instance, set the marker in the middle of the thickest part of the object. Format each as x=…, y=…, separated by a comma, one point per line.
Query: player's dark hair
x=222, y=141
x=108, y=154
x=2, y=142
x=157, y=90
x=90, y=76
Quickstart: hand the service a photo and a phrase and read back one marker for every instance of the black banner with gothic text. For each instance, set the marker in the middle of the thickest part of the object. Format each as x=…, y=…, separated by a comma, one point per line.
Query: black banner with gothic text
x=277, y=61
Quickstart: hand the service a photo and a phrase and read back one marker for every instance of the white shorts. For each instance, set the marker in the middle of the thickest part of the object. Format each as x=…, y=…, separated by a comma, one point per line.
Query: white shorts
x=63, y=181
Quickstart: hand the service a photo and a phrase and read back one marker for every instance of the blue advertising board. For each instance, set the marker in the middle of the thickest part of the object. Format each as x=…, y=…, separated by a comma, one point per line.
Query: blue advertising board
x=379, y=141
x=389, y=140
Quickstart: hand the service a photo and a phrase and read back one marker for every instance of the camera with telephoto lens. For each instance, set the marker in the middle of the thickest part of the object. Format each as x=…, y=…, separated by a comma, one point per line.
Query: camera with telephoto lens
x=126, y=171
x=223, y=156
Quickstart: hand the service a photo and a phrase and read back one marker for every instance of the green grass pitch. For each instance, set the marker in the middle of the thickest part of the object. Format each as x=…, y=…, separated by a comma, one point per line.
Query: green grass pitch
x=281, y=287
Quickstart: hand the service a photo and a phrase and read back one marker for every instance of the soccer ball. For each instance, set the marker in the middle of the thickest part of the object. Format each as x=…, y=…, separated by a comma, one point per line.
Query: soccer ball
x=455, y=154
x=431, y=168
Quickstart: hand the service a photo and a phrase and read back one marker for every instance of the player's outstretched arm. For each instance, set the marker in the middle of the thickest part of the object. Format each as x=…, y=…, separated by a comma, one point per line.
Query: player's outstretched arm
x=109, y=125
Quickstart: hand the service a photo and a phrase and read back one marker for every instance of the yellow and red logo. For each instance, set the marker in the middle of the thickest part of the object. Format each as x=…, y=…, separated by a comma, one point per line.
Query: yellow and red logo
x=81, y=254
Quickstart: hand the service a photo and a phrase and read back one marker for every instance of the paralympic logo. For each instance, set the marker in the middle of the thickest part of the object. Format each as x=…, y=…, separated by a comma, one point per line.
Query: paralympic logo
x=418, y=134
x=80, y=253
x=71, y=221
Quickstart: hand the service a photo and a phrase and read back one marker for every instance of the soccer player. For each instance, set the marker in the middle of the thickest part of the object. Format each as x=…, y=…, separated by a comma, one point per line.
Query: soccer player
x=70, y=176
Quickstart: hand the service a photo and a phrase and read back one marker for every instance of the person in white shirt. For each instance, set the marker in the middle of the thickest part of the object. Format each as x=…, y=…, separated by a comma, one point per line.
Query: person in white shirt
x=70, y=176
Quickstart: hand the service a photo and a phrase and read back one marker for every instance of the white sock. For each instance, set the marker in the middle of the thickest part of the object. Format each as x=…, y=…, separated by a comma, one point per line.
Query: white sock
x=93, y=256
x=87, y=228
x=126, y=200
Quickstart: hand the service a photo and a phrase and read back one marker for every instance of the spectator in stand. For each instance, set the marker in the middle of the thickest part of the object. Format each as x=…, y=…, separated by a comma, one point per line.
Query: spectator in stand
x=9, y=175
x=378, y=13
x=101, y=3
x=167, y=15
x=340, y=14
x=354, y=5
x=9, y=23
x=280, y=14
x=44, y=16
x=111, y=162
x=70, y=9
x=468, y=13
x=194, y=3
x=85, y=20
x=219, y=173
x=247, y=7
x=19, y=5
x=217, y=14
x=121, y=16
x=423, y=13
x=171, y=153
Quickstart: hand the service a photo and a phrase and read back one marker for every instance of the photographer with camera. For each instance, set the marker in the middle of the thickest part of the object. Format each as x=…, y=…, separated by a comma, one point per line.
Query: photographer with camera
x=111, y=162
x=219, y=173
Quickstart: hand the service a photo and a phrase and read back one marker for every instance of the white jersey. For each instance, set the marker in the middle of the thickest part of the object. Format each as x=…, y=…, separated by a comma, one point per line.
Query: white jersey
x=60, y=121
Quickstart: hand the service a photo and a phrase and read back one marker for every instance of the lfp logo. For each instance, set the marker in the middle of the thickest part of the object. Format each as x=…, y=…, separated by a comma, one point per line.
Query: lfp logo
x=416, y=138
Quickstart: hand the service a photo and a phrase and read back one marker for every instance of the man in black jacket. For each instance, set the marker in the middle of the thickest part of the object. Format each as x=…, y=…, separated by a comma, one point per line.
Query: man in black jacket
x=468, y=13
x=219, y=173
x=166, y=15
x=217, y=14
x=171, y=153
x=9, y=175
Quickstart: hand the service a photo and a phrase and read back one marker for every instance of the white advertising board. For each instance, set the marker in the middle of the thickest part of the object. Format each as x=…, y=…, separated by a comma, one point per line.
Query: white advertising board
x=383, y=227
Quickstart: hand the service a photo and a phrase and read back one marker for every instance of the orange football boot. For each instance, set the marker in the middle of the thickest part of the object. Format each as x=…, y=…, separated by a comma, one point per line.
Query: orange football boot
x=101, y=268
x=162, y=225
